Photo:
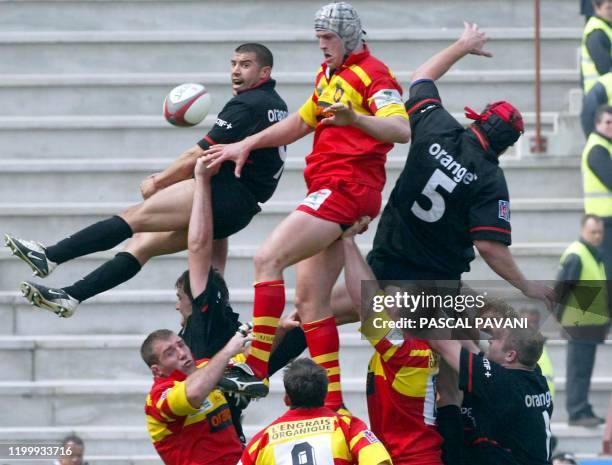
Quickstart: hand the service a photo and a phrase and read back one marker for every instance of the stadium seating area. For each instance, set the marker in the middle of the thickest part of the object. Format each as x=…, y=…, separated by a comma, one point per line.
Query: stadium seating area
x=81, y=88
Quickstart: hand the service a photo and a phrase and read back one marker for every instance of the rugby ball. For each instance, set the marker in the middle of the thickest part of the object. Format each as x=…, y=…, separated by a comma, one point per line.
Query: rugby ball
x=187, y=105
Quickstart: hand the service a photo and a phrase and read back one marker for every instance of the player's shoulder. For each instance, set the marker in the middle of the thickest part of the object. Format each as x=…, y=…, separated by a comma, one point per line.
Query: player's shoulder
x=160, y=387
x=375, y=68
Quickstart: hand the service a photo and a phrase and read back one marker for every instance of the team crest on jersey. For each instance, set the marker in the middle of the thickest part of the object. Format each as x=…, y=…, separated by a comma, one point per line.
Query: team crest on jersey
x=338, y=94
x=370, y=436
x=504, y=210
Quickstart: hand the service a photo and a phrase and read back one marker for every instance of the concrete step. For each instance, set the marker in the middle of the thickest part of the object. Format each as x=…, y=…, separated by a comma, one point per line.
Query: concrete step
x=118, y=180
x=47, y=357
x=107, y=402
x=134, y=136
x=537, y=220
x=195, y=51
x=144, y=93
x=113, y=312
x=121, y=440
x=537, y=261
x=181, y=15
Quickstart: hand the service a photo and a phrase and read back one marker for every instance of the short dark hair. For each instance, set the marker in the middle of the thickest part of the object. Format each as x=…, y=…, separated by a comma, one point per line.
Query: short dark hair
x=146, y=349
x=590, y=216
x=263, y=55
x=305, y=383
x=601, y=111
x=528, y=344
x=73, y=438
x=598, y=3
x=184, y=283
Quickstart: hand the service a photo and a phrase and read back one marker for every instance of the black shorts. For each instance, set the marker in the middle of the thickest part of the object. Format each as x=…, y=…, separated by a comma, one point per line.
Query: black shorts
x=233, y=204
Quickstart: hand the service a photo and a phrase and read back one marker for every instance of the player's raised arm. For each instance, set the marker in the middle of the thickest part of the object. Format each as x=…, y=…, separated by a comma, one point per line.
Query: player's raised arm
x=472, y=42
x=180, y=169
x=284, y=132
x=500, y=260
x=200, y=236
x=356, y=269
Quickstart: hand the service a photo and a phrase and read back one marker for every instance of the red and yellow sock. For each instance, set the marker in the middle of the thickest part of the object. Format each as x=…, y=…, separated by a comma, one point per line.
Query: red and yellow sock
x=267, y=310
x=324, y=344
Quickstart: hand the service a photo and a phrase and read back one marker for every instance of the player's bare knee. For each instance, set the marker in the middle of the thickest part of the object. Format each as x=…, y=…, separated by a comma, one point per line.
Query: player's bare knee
x=268, y=263
x=132, y=216
x=139, y=250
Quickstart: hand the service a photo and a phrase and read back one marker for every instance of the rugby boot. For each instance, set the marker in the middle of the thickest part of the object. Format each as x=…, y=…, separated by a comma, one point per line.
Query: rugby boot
x=33, y=253
x=48, y=298
x=240, y=378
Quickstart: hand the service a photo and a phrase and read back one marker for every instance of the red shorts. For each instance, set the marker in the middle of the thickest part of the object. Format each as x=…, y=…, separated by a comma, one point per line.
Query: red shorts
x=341, y=201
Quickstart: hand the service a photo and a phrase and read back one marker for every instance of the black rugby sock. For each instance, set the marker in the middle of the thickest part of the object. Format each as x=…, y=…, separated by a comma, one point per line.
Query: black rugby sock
x=102, y=235
x=120, y=269
x=450, y=427
x=292, y=345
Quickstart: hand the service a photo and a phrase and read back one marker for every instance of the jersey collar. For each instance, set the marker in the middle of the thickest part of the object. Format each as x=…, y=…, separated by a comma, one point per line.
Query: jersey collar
x=267, y=84
x=476, y=137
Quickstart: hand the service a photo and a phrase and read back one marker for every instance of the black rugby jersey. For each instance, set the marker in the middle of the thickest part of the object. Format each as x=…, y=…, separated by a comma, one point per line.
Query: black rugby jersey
x=212, y=322
x=245, y=114
x=450, y=192
x=511, y=412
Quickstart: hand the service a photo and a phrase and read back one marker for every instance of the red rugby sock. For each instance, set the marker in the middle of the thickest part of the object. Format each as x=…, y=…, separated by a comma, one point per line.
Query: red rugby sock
x=267, y=310
x=324, y=344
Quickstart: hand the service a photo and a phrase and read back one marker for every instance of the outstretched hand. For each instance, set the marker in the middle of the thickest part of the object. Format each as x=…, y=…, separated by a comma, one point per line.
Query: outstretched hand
x=359, y=227
x=474, y=40
x=201, y=170
x=341, y=114
x=540, y=291
x=147, y=186
x=219, y=153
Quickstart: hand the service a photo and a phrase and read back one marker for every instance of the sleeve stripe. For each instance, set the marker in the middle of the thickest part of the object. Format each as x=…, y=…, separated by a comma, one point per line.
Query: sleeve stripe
x=360, y=72
x=470, y=368
x=416, y=106
x=490, y=228
x=418, y=81
x=208, y=139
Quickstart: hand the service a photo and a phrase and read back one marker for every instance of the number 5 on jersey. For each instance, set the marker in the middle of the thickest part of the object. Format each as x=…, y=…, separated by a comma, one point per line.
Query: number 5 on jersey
x=438, y=205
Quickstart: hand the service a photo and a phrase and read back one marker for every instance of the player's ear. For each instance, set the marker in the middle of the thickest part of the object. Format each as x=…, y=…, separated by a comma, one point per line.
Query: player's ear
x=156, y=370
x=265, y=72
x=511, y=356
x=286, y=400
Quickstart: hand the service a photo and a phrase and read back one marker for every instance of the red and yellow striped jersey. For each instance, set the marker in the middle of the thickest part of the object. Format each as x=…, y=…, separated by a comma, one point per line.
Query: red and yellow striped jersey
x=184, y=435
x=401, y=400
x=348, y=152
x=315, y=436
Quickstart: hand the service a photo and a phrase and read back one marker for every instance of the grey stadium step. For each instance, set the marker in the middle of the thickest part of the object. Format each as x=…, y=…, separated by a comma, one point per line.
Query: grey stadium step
x=143, y=94
x=108, y=402
x=118, y=180
x=112, y=356
x=151, y=136
x=114, y=312
x=196, y=14
x=195, y=51
x=536, y=261
x=537, y=220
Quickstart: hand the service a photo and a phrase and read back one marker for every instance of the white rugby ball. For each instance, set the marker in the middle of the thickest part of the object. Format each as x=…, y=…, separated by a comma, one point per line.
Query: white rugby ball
x=187, y=105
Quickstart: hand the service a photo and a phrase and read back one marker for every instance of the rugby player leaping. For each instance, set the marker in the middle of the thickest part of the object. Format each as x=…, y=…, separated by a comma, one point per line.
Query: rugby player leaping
x=356, y=113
